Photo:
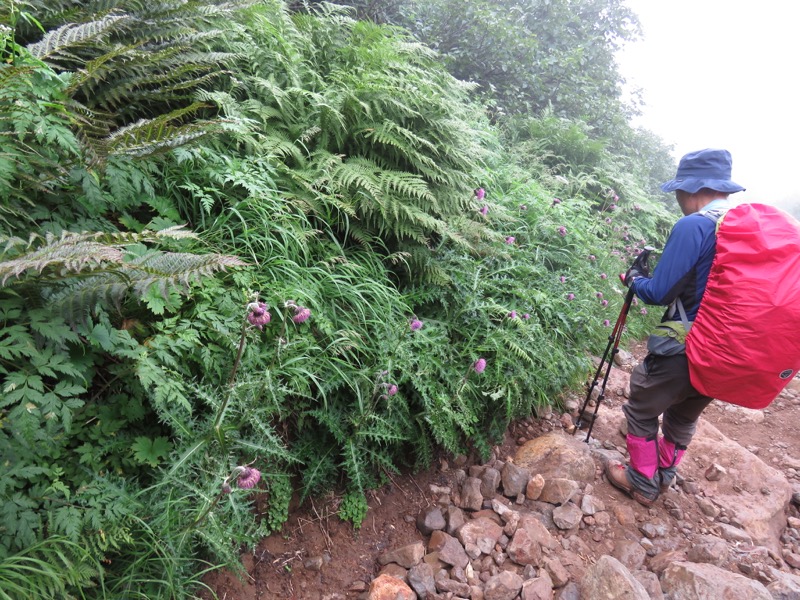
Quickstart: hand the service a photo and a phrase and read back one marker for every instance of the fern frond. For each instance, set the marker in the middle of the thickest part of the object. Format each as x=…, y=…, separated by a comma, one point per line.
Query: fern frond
x=57, y=41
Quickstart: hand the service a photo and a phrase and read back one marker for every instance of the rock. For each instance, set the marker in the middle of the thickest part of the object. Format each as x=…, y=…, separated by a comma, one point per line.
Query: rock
x=591, y=505
x=430, y=519
x=629, y=553
x=515, y=479
x=538, y=588
x=523, y=550
x=503, y=586
x=477, y=529
x=558, y=573
x=536, y=483
x=762, y=516
x=692, y=581
x=455, y=519
x=567, y=516
x=471, y=496
x=407, y=556
x=715, y=472
x=420, y=578
x=558, y=491
x=557, y=455
x=448, y=549
x=386, y=587
x=650, y=582
x=708, y=549
x=490, y=481
x=610, y=579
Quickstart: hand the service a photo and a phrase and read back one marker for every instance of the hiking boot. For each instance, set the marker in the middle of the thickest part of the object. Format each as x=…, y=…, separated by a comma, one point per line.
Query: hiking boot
x=618, y=476
x=664, y=486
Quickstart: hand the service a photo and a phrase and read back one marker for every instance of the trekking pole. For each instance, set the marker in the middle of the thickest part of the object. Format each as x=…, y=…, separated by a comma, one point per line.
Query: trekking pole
x=612, y=348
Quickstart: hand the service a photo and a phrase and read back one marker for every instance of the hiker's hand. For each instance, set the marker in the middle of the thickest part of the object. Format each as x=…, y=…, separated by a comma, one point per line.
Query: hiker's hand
x=632, y=274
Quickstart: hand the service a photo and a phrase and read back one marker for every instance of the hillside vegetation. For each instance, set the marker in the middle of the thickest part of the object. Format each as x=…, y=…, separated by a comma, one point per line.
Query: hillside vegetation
x=259, y=249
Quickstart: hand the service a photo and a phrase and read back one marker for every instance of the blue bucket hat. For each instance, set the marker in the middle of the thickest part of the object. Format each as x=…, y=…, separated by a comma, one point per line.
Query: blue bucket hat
x=707, y=168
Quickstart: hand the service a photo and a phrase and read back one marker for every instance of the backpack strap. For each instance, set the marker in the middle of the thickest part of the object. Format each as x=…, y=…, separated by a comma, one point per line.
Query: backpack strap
x=716, y=215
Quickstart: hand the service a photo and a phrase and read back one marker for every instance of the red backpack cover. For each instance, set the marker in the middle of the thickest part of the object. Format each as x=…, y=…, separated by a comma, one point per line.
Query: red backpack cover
x=744, y=345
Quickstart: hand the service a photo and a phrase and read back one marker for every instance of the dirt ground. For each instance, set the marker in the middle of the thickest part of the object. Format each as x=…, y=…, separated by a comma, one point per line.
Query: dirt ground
x=319, y=557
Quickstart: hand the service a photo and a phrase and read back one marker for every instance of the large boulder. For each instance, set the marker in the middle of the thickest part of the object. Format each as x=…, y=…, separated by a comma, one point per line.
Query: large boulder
x=557, y=455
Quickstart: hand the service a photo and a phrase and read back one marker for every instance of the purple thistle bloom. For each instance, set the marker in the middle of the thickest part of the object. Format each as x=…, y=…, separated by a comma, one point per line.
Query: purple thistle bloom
x=480, y=193
x=643, y=311
x=603, y=276
x=248, y=478
x=526, y=316
x=512, y=314
x=523, y=207
x=570, y=296
x=592, y=257
x=226, y=488
x=612, y=207
x=608, y=219
x=510, y=239
x=604, y=303
x=635, y=301
x=606, y=323
x=415, y=324
x=484, y=210
x=563, y=279
x=301, y=314
x=616, y=198
x=392, y=390
x=599, y=294
x=562, y=231
x=258, y=315
x=479, y=365
x=556, y=201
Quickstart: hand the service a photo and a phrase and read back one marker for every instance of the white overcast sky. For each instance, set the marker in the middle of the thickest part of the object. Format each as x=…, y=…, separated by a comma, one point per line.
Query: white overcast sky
x=724, y=74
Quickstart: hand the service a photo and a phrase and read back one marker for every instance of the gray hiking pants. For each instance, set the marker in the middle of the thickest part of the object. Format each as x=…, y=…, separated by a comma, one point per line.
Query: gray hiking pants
x=660, y=385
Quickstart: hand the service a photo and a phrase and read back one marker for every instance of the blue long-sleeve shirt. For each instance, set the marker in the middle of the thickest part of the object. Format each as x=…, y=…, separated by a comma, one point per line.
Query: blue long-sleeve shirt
x=682, y=271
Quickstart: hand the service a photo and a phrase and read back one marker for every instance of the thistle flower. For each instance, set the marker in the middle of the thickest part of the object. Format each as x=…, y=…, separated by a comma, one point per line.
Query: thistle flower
x=248, y=478
x=523, y=207
x=606, y=323
x=226, y=488
x=612, y=207
x=635, y=301
x=484, y=210
x=608, y=219
x=599, y=294
x=510, y=239
x=556, y=201
x=570, y=296
x=562, y=231
x=526, y=316
x=592, y=257
x=392, y=390
x=258, y=315
x=415, y=324
x=603, y=276
x=643, y=311
x=301, y=314
x=562, y=279
x=479, y=365
x=480, y=193
x=604, y=303
x=512, y=314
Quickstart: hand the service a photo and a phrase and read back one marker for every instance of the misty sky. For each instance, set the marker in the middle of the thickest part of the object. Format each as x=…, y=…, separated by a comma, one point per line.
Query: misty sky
x=722, y=74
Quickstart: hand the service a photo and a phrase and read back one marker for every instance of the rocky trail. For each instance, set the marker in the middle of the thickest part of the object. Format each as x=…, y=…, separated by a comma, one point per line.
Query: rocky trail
x=539, y=520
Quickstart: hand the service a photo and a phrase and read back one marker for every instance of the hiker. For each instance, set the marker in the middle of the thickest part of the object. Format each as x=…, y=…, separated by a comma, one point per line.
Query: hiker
x=660, y=385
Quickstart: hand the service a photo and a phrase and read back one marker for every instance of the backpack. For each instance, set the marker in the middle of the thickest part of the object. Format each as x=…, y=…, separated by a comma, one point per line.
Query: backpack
x=744, y=345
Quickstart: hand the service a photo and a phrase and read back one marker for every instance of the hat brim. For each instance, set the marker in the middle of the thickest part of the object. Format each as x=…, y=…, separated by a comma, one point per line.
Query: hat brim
x=693, y=185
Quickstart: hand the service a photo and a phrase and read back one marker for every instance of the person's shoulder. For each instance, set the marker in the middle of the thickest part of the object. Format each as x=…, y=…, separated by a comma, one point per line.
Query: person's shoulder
x=695, y=221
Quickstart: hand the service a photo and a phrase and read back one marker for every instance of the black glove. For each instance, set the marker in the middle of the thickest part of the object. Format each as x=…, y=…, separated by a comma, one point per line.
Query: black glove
x=634, y=272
